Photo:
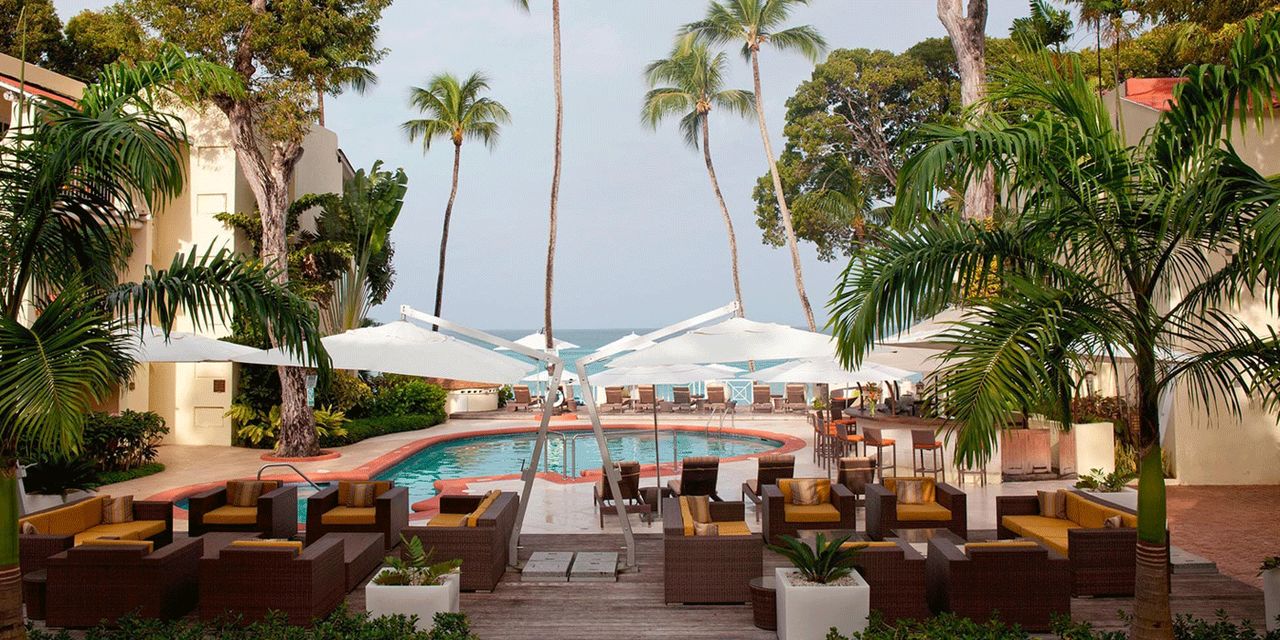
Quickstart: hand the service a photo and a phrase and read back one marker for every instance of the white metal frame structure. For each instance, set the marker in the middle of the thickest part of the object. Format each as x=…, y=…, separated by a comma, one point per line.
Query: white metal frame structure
x=557, y=370
x=588, y=398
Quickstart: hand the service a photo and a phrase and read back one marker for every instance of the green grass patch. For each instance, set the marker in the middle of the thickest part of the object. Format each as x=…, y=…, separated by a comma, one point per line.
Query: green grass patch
x=112, y=477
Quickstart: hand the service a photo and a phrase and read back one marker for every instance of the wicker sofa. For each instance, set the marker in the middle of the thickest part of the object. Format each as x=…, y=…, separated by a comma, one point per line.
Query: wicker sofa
x=837, y=511
x=476, y=530
x=251, y=578
x=1103, y=560
x=65, y=526
x=945, y=508
x=274, y=516
x=1023, y=581
x=331, y=511
x=104, y=580
x=895, y=572
x=709, y=569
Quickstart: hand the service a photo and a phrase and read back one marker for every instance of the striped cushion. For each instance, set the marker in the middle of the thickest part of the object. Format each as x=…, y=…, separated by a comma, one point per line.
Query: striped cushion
x=699, y=509
x=362, y=495
x=117, y=510
x=706, y=529
x=244, y=493
x=805, y=492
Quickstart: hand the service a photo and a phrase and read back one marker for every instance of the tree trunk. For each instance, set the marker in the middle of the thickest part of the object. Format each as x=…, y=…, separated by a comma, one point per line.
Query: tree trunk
x=11, y=624
x=1152, y=619
x=785, y=212
x=444, y=233
x=968, y=39
x=724, y=211
x=555, y=173
x=320, y=106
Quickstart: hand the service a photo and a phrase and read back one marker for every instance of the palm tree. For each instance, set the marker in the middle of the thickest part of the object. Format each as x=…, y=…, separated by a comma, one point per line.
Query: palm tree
x=73, y=181
x=694, y=79
x=456, y=111
x=755, y=23
x=344, y=76
x=555, y=171
x=1097, y=237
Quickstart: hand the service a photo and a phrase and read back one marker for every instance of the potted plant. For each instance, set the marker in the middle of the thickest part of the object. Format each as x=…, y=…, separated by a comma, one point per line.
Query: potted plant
x=821, y=590
x=1270, y=572
x=413, y=585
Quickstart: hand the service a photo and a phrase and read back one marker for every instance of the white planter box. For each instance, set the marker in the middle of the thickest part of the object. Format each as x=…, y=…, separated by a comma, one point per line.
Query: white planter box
x=808, y=612
x=424, y=602
x=1271, y=594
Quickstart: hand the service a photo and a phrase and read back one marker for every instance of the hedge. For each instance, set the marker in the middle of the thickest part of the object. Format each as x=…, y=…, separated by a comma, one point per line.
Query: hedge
x=365, y=428
x=112, y=477
x=340, y=625
x=950, y=626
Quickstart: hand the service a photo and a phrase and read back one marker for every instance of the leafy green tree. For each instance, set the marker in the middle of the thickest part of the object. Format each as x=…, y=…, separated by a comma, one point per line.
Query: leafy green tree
x=95, y=39
x=457, y=111
x=755, y=23
x=1047, y=26
x=74, y=179
x=848, y=130
x=689, y=84
x=557, y=161
x=1106, y=248
x=30, y=30
x=282, y=51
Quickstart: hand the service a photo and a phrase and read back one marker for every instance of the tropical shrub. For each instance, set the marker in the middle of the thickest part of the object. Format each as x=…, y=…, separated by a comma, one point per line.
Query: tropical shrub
x=1098, y=481
x=951, y=627
x=345, y=392
x=403, y=396
x=57, y=474
x=330, y=422
x=415, y=566
x=827, y=561
x=340, y=625
x=122, y=442
x=365, y=428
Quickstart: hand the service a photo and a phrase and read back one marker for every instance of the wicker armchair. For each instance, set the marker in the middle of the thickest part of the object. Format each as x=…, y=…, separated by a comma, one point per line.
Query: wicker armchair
x=706, y=569
x=783, y=518
x=895, y=572
x=90, y=584
x=251, y=581
x=1023, y=581
x=482, y=547
x=330, y=511
x=64, y=526
x=275, y=515
x=946, y=509
x=1103, y=560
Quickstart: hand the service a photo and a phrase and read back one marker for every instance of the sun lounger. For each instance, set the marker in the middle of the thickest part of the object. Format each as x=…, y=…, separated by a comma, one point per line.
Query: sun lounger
x=761, y=401
x=698, y=477
x=795, y=399
x=771, y=469
x=682, y=400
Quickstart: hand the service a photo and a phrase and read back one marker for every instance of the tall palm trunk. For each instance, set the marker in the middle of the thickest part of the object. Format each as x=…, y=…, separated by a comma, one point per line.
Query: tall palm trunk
x=1152, y=619
x=319, y=105
x=11, y=625
x=785, y=212
x=724, y=211
x=444, y=234
x=555, y=173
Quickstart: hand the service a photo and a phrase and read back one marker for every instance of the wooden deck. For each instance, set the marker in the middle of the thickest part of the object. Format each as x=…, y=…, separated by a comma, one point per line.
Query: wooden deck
x=633, y=607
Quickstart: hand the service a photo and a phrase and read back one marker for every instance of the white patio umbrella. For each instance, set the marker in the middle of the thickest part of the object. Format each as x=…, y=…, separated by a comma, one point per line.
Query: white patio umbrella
x=538, y=340
x=150, y=345
x=630, y=342
x=733, y=340
x=925, y=334
x=544, y=377
x=408, y=349
x=830, y=371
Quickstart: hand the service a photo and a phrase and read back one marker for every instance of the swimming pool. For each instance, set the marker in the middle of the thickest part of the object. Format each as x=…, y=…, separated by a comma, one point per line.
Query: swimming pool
x=509, y=453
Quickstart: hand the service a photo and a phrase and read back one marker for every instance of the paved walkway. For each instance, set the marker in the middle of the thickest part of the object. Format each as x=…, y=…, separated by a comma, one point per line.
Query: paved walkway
x=1235, y=526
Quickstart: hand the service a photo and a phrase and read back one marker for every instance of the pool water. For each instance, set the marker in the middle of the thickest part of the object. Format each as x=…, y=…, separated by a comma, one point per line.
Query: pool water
x=509, y=453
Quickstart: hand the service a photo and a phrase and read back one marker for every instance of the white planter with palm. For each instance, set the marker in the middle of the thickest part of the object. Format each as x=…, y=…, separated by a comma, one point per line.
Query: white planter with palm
x=414, y=586
x=821, y=591
x=1270, y=572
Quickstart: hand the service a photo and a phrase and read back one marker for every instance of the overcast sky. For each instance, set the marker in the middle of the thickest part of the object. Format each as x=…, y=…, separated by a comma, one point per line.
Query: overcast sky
x=641, y=242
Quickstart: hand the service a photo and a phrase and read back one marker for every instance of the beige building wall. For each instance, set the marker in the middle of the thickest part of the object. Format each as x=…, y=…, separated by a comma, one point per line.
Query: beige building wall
x=1207, y=444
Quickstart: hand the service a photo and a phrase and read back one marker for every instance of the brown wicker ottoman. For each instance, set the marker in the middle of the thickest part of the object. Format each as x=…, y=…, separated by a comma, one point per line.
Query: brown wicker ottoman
x=33, y=592
x=362, y=554
x=764, y=603
x=216, y=541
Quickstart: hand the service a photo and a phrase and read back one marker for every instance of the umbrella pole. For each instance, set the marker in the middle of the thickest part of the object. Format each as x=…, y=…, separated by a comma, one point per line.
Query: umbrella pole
x=657, y=452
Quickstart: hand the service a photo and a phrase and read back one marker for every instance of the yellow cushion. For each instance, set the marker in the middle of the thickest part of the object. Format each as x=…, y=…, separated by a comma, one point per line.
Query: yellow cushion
x=350, y=515
x=1051, y=532
x=785, y=485
x=136, y=530
x=875, y=544
x=448, y=520
x=294, y=545
x=816, y=513
x=699, y=508
x=686, y=515
x=926, y=511
x=66, y=521
x=344, y=489
x=1057, y=543
x=738, y=528
x=229, y=514
x=1001, y=544
x=928, y=490
x=489, y=498
x=136, y=544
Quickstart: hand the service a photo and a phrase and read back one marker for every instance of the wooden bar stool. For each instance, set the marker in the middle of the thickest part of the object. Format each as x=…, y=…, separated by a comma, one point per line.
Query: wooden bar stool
x=925, y=441
x=845, y=431
x=871, y=439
